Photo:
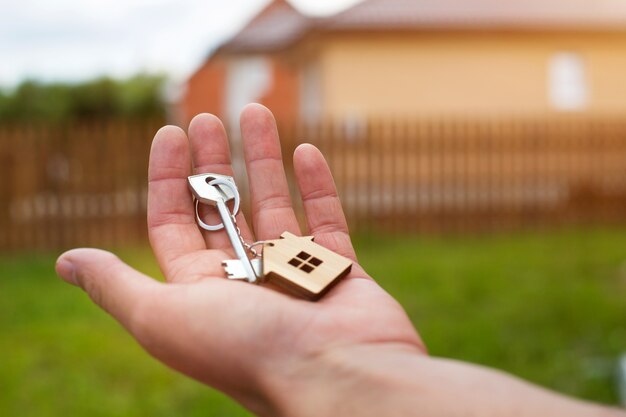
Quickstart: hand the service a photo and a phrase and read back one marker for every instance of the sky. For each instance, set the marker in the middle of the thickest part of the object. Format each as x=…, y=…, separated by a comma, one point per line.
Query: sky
x=74, y=40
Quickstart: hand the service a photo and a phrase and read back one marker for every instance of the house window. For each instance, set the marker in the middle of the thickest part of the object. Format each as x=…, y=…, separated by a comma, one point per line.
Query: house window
x=248, y=79
x=567, y=82
x=305, y=262
x=310, y=94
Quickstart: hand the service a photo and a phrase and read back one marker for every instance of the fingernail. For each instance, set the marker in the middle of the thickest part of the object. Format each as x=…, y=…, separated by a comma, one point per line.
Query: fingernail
x=65, y=269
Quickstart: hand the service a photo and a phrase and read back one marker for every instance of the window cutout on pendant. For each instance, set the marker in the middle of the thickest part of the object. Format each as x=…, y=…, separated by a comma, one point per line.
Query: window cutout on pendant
x=295, y=262
x=303, y=255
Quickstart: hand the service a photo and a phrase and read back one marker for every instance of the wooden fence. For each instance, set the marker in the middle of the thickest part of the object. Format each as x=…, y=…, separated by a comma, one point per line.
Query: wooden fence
x=461, y=176
x=73, y=185
x=85, y=184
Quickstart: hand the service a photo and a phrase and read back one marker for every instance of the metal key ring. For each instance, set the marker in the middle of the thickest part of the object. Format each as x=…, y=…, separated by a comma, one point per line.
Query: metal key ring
x=233, y=188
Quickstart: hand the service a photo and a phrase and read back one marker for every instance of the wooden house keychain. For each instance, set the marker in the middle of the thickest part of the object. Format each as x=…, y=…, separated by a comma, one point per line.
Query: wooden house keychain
x=296, y=264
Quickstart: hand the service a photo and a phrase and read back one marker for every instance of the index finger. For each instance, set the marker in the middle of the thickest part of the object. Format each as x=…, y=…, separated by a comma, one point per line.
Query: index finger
x=171, y=217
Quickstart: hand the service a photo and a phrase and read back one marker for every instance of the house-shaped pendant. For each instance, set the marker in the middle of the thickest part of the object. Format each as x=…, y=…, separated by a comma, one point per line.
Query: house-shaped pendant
x=302, y=267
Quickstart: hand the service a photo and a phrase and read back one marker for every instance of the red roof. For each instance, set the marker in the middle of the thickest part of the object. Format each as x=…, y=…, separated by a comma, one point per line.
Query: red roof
x=280, y=25
x=483, y=14
x=277, y=26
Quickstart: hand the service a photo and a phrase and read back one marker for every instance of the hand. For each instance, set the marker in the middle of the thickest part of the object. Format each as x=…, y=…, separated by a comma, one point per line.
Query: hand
x=353, y=353
x=235, y=336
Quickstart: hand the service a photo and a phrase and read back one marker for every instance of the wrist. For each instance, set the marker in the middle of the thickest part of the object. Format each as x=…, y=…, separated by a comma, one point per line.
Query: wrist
x=338, y=381
x=377, y=379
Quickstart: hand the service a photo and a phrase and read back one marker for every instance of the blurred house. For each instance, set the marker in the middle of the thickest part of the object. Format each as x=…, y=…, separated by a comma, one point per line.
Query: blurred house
x=421, y=57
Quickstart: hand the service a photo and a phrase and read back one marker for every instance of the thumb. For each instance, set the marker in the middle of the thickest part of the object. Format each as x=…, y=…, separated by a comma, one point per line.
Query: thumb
x=113, y=285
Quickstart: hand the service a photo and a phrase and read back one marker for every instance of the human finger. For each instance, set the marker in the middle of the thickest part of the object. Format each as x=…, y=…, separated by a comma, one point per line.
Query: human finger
x=171, y=218
x=272, y=209
x=324, y=214
x=117, y=288
x=211, y=154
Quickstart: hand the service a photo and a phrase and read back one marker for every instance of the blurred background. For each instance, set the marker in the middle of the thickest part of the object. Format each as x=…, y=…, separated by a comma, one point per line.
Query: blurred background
x=479, y=148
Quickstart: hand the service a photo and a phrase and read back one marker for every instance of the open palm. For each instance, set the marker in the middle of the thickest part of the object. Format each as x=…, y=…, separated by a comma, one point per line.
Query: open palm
x=229, y=334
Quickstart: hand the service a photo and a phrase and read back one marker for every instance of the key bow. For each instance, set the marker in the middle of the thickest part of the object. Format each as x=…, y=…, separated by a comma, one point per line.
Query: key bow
x=211, y=189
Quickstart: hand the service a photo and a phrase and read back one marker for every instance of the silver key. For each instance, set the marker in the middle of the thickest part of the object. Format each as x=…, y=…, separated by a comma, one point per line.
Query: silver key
x=209, y=194
x=235, y=270
x=217, y=190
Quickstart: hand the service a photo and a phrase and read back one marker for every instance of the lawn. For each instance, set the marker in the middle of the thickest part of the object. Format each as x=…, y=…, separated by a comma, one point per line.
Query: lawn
x=549, y=307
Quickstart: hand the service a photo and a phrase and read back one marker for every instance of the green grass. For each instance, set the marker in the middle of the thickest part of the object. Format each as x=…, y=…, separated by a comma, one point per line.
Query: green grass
x=550, y=308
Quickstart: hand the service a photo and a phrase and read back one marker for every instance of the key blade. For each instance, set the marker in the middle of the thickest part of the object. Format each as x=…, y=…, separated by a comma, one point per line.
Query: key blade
x=236, y=241
x=208, y=194
x=235, y=270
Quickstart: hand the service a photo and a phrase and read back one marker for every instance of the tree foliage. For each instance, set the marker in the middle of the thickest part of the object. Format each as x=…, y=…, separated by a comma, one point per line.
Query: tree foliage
x=138, y=97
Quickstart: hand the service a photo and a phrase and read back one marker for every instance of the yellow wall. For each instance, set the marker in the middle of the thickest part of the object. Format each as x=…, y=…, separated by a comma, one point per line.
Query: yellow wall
x=463, y=73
